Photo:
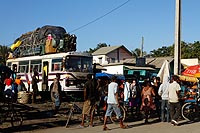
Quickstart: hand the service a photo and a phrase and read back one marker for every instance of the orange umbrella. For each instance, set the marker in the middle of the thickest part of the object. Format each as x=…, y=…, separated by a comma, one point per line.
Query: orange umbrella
x=192, y=71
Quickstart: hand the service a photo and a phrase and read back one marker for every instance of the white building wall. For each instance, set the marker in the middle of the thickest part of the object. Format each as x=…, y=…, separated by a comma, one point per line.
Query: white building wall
x=190, y=62
x=117, y=55
x=96, y=59
x=114, y=69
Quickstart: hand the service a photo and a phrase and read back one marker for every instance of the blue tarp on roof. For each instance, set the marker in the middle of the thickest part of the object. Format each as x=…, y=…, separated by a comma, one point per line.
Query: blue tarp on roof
x=103, y=75
x=108, y=76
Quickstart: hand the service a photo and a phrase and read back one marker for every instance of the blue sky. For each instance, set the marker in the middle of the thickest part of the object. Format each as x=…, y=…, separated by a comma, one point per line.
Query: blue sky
x=152, y=19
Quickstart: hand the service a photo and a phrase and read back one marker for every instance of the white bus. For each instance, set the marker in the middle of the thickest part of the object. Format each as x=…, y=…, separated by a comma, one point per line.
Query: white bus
x=72, y=66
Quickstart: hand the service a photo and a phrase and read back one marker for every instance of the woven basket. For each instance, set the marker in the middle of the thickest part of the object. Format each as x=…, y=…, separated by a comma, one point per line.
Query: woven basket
x=24, y=97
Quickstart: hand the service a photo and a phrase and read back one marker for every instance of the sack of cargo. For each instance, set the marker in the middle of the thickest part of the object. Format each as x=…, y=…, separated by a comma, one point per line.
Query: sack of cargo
x=24, y=97
x=15, y=45
x=48, y=47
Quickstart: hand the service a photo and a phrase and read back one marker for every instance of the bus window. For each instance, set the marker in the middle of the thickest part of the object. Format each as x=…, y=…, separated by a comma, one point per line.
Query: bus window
x=78, y=64
x=35, y=65
x=23, y=66
x=56, y=64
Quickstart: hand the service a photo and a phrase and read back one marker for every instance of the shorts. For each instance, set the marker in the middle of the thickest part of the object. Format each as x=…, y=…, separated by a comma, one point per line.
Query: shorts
x=87, y=107
x=111, y=108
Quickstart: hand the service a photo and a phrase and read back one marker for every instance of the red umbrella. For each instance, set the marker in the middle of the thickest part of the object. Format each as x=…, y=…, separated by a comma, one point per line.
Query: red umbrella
x=192, y=71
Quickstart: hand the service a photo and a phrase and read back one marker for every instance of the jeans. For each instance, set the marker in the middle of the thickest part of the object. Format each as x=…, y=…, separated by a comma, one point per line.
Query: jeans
x=175, y=110
x=164, y=110
x=57, y=100
x=113, y=107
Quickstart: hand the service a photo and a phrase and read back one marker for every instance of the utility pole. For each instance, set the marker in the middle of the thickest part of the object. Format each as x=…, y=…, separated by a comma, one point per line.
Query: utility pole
x=141, y=52
x=177, y=45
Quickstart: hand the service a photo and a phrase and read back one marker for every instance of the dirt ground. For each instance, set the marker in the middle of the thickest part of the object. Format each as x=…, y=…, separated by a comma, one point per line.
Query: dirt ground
x=38, y=115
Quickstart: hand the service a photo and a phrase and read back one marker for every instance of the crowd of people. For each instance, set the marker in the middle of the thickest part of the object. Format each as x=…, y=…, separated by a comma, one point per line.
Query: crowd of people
x=152, y=96
x=149, y=97
x=11, y=84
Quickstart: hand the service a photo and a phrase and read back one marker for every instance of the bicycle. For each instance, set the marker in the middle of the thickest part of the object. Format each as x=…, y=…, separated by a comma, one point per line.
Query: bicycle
x=74, y=108
x=99, y=113
x=8, y=110
x=114, y=117
x=191, y=109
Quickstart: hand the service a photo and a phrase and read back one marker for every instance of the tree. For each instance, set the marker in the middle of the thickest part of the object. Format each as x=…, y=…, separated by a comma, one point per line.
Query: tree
x=162, y=52
x=3, y=54
x=188, y=50
x=136, y=52
x=100, y=45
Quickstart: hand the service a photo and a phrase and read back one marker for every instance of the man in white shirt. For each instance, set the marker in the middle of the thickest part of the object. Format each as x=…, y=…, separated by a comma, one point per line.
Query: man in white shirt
x=163, y=92
x=113, y=104
x=174, y=104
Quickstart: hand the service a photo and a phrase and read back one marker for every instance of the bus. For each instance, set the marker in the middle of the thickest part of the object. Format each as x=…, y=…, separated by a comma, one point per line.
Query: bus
x=72, y=66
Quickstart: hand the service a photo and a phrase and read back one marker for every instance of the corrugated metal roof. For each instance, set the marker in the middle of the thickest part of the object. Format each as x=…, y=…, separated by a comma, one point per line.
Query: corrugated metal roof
x=140, y=68
x=105, y=50
x=157, y=61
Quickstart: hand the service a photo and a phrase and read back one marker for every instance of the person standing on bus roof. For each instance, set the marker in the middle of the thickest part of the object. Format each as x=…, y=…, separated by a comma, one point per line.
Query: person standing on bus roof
x=56, y=92
x=35, y=80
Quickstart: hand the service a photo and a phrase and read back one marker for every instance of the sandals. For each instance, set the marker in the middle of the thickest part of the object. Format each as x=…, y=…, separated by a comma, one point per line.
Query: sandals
x=106, y=128
x=124, y=126
x=80, y=126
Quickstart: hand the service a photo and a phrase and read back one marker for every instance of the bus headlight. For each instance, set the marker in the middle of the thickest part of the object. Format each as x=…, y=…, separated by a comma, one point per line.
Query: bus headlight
x=71, y=82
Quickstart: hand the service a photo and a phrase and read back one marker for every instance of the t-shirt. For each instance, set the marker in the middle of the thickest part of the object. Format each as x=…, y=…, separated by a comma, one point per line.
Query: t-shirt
x=112, y=90
x=174, y=87
x=90, y=90
x=8, y=81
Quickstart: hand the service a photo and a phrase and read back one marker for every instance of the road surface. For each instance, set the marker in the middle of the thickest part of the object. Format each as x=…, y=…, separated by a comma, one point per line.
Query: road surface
x=134, y=127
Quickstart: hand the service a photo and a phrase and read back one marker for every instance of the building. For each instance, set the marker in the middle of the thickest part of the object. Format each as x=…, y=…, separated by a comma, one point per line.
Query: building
x=119, y=60
x=111, y=54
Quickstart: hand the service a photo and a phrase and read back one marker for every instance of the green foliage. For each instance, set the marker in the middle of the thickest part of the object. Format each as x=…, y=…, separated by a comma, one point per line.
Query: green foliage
x=188, y=50
x=4, y=54
x=98, y=46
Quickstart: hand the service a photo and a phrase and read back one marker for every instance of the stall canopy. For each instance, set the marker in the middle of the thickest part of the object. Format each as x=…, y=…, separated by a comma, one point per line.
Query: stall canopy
x=187, y=78
x=108, y=76
x=103, y=75
x=164, y=72
x=192, y=71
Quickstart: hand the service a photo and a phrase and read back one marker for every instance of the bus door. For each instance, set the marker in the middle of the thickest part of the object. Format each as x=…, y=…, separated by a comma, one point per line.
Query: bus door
x=15, y=68
x=45, y=71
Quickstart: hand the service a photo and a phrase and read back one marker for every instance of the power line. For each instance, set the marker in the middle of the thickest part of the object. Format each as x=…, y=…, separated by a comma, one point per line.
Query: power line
x=100, y=17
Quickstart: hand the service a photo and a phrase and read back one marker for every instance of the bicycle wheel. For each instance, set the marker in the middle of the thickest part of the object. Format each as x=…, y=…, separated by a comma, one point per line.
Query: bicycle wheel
x=98, y=114
x=114, y=118
x=190, y=112
x=16, y=119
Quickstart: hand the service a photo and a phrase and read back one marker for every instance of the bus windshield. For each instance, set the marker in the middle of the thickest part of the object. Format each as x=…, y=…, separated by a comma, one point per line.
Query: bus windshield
x=78, y=64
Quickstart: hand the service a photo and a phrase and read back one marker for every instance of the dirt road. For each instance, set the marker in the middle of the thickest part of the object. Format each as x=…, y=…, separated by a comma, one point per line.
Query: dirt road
x=38, y=118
